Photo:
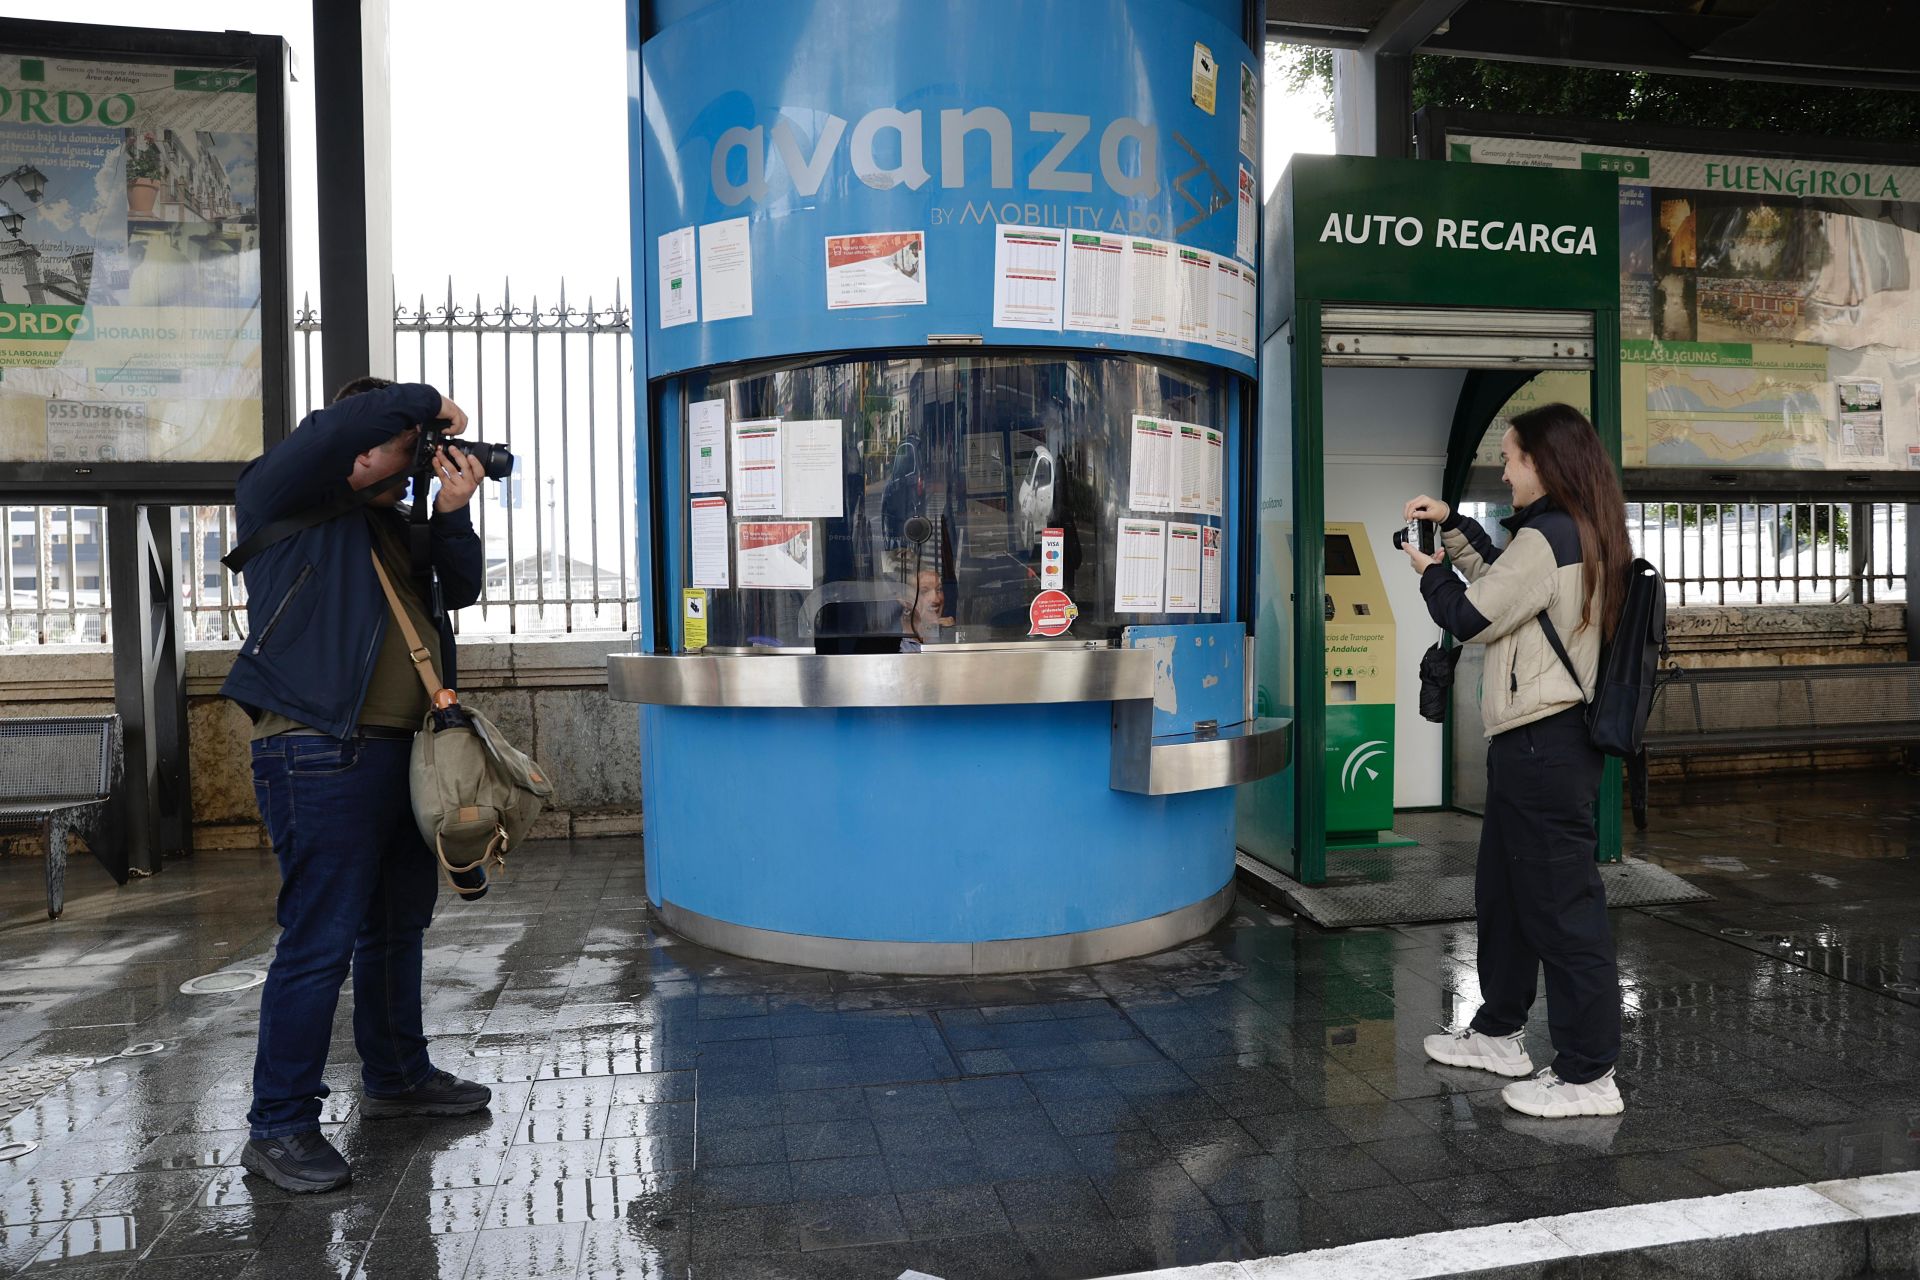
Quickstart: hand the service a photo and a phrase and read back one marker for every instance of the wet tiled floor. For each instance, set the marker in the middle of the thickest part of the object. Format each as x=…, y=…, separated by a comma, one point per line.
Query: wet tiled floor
x=662, y=1110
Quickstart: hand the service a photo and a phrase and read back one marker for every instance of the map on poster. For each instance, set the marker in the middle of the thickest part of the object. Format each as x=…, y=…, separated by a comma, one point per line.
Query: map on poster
x=130, y=262
x=1769, y=308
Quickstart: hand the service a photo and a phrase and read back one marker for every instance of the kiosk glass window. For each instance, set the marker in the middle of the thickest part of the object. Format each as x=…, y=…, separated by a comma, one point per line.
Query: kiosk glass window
x=934, y=523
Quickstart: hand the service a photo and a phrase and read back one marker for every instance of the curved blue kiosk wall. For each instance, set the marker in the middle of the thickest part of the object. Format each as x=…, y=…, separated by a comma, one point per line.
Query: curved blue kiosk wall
x=917, y=836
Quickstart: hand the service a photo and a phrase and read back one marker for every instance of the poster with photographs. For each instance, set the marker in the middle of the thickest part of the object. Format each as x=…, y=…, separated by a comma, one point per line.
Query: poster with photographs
x=1769, y=307
x=130, y=262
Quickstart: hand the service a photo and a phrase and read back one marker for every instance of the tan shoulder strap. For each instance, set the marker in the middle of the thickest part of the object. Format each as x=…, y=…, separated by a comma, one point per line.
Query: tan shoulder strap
x=416, y=650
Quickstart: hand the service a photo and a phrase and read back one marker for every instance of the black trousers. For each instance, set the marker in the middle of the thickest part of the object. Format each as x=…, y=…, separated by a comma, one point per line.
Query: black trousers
x=1539, y=899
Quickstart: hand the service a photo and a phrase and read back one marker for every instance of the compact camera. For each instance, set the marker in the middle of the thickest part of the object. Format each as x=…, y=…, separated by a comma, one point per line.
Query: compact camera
x=495, y=459
x=1419, y=533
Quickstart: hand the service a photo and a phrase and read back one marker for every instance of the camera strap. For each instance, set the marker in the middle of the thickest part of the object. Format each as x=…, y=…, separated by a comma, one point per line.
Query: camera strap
x=343, y=503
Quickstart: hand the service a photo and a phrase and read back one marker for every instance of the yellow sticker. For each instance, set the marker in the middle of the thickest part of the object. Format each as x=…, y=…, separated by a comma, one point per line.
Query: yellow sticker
x=693, y=619
x=1206, y=78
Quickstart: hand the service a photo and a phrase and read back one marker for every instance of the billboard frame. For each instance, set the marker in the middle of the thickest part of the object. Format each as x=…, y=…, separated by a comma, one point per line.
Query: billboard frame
x=1432, y=128
x=267, y=57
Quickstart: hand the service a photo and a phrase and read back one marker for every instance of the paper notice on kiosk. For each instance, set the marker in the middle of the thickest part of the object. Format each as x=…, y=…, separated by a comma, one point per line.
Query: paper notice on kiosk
x=707, y=447
x=707, y=532
x=1249, y=311
x=1227, y=314
x=1190, y=449
x=775, y=556
x=1210, y=570
x=1183, y=568
x=726, y=270
x=1150, y=486
x=1096, y=282
x=885, y=269
x=1027, y=270
x=1193, y=295
x=756, y=467
x=1150, y=291
x=1140, y=570
x=679, y=287
x=1216, y=489
x=813, y=480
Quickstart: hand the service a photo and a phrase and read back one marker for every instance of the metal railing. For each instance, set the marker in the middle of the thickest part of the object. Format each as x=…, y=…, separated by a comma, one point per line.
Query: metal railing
x=551, y=381
x=1762, y=553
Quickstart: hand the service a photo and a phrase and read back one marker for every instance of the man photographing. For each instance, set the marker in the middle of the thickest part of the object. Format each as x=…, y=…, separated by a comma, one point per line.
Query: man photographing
x=328, y=682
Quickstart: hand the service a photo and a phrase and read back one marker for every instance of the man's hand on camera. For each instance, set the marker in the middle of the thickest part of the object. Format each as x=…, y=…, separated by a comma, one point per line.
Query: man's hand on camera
x=460, y=474
x=1421, y=561
x=453, y=415
x=1425, y=508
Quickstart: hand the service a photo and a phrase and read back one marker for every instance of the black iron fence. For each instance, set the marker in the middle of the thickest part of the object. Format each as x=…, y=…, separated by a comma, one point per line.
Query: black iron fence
x=551, y=380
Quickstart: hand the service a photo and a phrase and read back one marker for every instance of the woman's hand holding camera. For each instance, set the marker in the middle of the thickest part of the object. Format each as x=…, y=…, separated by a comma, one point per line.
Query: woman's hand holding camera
x=1425, y=508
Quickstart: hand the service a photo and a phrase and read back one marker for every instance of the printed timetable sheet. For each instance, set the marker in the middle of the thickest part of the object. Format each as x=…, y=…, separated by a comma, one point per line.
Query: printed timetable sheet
x=1027, y=268
x=1140, y=569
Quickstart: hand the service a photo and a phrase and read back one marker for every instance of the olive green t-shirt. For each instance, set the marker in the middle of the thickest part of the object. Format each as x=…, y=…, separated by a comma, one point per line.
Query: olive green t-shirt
x=395, y=697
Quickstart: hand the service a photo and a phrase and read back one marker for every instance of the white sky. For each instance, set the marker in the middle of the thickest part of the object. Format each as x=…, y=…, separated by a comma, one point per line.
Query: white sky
x=486, y=187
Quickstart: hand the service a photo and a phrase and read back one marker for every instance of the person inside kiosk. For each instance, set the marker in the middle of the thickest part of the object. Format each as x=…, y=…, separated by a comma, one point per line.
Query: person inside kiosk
x=1538, y=895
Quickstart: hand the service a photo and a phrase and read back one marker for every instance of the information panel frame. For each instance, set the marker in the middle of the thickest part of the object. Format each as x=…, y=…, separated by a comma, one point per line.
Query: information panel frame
x=264, y=60
x=1437, y=128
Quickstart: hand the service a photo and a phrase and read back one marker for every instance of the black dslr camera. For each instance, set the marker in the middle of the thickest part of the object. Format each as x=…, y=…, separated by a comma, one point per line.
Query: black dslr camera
x=496, y=459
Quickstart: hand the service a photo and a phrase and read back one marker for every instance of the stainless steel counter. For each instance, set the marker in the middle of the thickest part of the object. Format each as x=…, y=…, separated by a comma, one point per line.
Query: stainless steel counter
x=1192, y=762
x=936, y=677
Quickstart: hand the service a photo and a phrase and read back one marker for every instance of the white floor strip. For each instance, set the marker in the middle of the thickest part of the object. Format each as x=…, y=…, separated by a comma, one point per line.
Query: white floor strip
x=1672, y=1223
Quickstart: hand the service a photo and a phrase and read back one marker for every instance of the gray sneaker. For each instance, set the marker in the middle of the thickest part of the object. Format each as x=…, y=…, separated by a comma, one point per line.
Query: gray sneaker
x=440, y=1094
x=299, y=1162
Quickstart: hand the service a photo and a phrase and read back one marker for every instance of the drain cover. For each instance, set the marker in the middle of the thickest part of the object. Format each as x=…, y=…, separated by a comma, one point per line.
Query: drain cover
x=14, y=1150
x=142, y=1050
x=1737, y=933
x=223, y=983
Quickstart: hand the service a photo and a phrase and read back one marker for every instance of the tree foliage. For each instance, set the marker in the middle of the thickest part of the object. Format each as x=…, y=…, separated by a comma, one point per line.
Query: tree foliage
x=1639, y=97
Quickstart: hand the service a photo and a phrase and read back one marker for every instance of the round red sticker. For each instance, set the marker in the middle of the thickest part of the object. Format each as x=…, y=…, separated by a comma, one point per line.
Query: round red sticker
x=1051, y=613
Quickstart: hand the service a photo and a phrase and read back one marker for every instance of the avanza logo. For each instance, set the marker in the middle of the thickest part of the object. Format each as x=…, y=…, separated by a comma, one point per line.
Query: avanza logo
x=746, y=153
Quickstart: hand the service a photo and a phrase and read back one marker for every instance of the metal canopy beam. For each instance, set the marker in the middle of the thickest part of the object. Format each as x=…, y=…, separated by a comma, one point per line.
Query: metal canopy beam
x=354, y=154
x=1689, y=44
x=1408, y=25
x=1848, y=43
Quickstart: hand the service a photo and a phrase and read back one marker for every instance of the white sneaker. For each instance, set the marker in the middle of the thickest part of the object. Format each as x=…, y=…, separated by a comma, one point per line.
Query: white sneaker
x=1550, y=1097
x=1502, y=1055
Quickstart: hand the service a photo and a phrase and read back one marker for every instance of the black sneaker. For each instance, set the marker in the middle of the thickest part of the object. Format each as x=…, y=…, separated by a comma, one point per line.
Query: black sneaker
x=441, y=1094
x=298, y=1162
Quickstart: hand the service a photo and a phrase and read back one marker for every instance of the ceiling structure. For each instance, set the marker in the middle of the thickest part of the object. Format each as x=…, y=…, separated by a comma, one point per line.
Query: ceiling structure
x=1849, y=43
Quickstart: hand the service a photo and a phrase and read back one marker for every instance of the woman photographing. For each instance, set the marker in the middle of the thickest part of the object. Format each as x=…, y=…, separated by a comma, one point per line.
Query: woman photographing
x=1538, y=896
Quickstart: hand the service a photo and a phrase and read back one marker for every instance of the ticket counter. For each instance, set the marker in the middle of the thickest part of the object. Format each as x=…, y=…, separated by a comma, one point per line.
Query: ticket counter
x=946, y=374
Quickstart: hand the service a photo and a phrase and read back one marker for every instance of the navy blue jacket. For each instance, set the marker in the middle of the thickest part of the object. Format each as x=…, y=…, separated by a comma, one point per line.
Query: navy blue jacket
x=315, y=611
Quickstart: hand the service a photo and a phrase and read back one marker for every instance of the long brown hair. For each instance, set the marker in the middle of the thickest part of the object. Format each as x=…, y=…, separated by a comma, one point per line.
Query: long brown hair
x=1577, y=474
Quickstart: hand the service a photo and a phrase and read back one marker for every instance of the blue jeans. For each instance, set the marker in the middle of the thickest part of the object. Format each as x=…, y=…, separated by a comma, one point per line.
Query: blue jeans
x=357, y=887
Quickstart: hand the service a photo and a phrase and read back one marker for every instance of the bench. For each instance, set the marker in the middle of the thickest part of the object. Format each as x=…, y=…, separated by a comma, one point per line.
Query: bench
x=1731, y=710
x=59, y=774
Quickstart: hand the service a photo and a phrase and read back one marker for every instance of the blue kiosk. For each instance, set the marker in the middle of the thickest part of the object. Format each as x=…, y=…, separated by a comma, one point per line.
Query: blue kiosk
x=945, y=385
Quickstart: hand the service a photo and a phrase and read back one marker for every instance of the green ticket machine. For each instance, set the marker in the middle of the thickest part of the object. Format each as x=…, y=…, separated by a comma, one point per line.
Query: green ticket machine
x=1360, y=694
x=1407, y=308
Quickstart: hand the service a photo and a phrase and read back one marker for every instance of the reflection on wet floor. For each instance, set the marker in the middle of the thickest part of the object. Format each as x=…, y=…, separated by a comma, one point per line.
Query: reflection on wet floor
x=661, y=1110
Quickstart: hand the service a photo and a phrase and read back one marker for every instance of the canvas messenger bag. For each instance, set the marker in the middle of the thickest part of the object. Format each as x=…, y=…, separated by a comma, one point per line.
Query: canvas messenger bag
x=475, y=795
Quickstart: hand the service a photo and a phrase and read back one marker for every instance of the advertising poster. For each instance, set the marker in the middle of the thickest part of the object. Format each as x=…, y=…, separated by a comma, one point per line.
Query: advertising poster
x=776, y=555
x=130, y=262
x=884, y=270
x=1769, y=307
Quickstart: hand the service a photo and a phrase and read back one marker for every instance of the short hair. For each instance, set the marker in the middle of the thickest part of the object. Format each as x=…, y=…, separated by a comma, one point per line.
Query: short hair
x=360, y=385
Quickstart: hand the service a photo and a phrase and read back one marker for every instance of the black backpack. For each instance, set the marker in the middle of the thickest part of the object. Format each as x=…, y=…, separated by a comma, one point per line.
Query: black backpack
x=1630, y=675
